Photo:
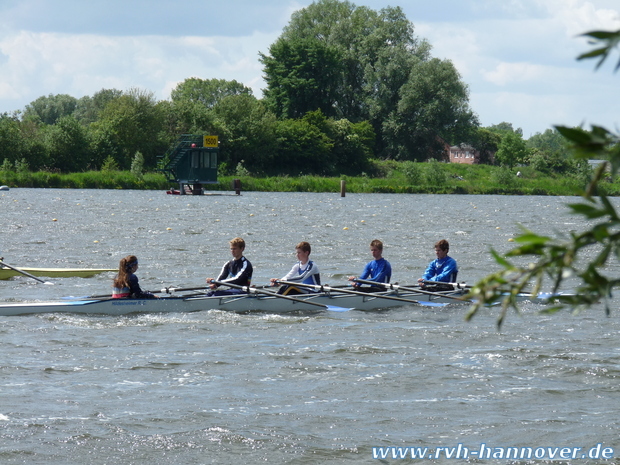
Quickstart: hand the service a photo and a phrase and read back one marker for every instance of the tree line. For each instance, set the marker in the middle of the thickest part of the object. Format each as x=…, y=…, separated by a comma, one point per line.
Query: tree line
x=346, y=85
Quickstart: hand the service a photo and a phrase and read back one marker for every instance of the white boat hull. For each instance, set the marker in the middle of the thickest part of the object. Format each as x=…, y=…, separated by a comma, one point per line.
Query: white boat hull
x=242, y=303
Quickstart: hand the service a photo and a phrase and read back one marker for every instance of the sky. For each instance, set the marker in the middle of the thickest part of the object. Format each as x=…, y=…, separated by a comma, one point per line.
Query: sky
x=518, y=57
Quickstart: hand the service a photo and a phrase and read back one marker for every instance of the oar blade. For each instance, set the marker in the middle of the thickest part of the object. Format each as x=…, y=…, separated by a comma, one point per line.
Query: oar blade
x=431, y=304
x=334, y=308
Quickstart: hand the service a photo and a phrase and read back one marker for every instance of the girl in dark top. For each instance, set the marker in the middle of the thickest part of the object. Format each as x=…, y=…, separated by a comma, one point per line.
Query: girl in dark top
x=126, y=282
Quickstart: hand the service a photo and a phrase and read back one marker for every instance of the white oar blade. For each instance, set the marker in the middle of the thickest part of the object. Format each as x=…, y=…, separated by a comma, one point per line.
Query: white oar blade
x=333, y=308
x=431, y=304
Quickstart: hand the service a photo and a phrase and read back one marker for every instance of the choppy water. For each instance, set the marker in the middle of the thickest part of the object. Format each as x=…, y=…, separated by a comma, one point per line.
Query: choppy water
x=214, y=387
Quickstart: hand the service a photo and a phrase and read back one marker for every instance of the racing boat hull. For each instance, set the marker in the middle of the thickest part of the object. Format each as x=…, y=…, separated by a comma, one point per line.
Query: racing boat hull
x=245, y=303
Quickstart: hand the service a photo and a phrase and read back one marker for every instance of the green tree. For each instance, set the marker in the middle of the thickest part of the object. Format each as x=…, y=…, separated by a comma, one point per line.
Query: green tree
x=207, y=92
x=68, y=145
x=51, y=108
x=11, y=143
x=486, y=142
x=128, y=124
x=512, y=150
x=351, y=143
x=549, y=153
x=34, y=143
x=433, y=106
x=504, y=127
x=550, y=141
x=584, y=255
x=302, y=148
x=302, y=75
x=381, y=65
x=186, y=117
x=137, y=165
x=88, y=109
x=247, y=132
x=109, y=164
x=190, y=110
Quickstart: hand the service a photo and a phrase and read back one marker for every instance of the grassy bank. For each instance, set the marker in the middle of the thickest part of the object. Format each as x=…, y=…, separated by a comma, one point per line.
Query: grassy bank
x=391, y=177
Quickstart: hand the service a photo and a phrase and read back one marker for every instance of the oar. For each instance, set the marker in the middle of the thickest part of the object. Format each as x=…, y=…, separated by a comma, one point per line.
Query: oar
x=421, y=291
x=367, y=294
x=253, y=290
x=455, y=285
x=170, y=290
x=24, y=273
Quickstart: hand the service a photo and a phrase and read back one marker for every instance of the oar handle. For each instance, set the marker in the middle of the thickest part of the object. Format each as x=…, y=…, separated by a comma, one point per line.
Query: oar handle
x=171, y=290
x=455, y=285
x=316, y=287
x=375, y=283
x=253, y=290
x=234, y=286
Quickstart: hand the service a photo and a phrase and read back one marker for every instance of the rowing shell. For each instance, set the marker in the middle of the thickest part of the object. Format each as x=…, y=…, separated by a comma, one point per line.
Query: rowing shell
x=6, y=273
x=240, y=303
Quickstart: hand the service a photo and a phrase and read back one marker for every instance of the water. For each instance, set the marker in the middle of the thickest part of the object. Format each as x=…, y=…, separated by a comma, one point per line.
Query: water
x=215, y=387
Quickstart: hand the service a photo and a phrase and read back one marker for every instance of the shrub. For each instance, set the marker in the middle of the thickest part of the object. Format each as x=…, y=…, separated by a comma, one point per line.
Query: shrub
x=435, y=173
x=413, y=172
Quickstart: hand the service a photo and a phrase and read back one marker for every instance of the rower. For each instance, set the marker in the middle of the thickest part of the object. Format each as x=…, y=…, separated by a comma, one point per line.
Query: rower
x=444, y=268
x=237, y=271
x=378, y=270
x=305, y=271
x=126, y=282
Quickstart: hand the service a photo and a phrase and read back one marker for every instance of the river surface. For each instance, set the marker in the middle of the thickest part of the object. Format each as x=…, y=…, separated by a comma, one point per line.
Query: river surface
x=223, y=388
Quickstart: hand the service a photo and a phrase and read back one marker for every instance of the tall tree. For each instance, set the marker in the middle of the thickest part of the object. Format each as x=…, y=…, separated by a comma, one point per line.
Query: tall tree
x=432, y=108
x=302, y=75
x=379, y=57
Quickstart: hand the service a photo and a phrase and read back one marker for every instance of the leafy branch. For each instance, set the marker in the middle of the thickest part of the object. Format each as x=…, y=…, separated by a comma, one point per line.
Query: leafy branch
x=609, y=41
x=558, y=259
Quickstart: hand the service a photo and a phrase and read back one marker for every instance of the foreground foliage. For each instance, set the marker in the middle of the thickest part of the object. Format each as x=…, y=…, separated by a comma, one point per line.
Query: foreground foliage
x=586, y=255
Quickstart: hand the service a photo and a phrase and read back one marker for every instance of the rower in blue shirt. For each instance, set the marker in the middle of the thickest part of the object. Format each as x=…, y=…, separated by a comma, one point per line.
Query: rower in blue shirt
x=378, y=270
x=443, y=268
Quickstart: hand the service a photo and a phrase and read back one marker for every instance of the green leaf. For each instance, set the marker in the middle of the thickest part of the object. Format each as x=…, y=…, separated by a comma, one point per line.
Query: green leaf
x=601, y=35
x=532, y=238
x=594, y=53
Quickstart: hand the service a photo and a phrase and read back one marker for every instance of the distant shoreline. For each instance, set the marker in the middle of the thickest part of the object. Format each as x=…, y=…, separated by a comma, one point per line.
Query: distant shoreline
x=455, y=179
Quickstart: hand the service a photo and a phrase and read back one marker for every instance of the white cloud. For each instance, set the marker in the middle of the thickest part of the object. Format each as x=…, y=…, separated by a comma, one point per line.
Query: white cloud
x=508, y=73
x=518, y=57
x=83, y=64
